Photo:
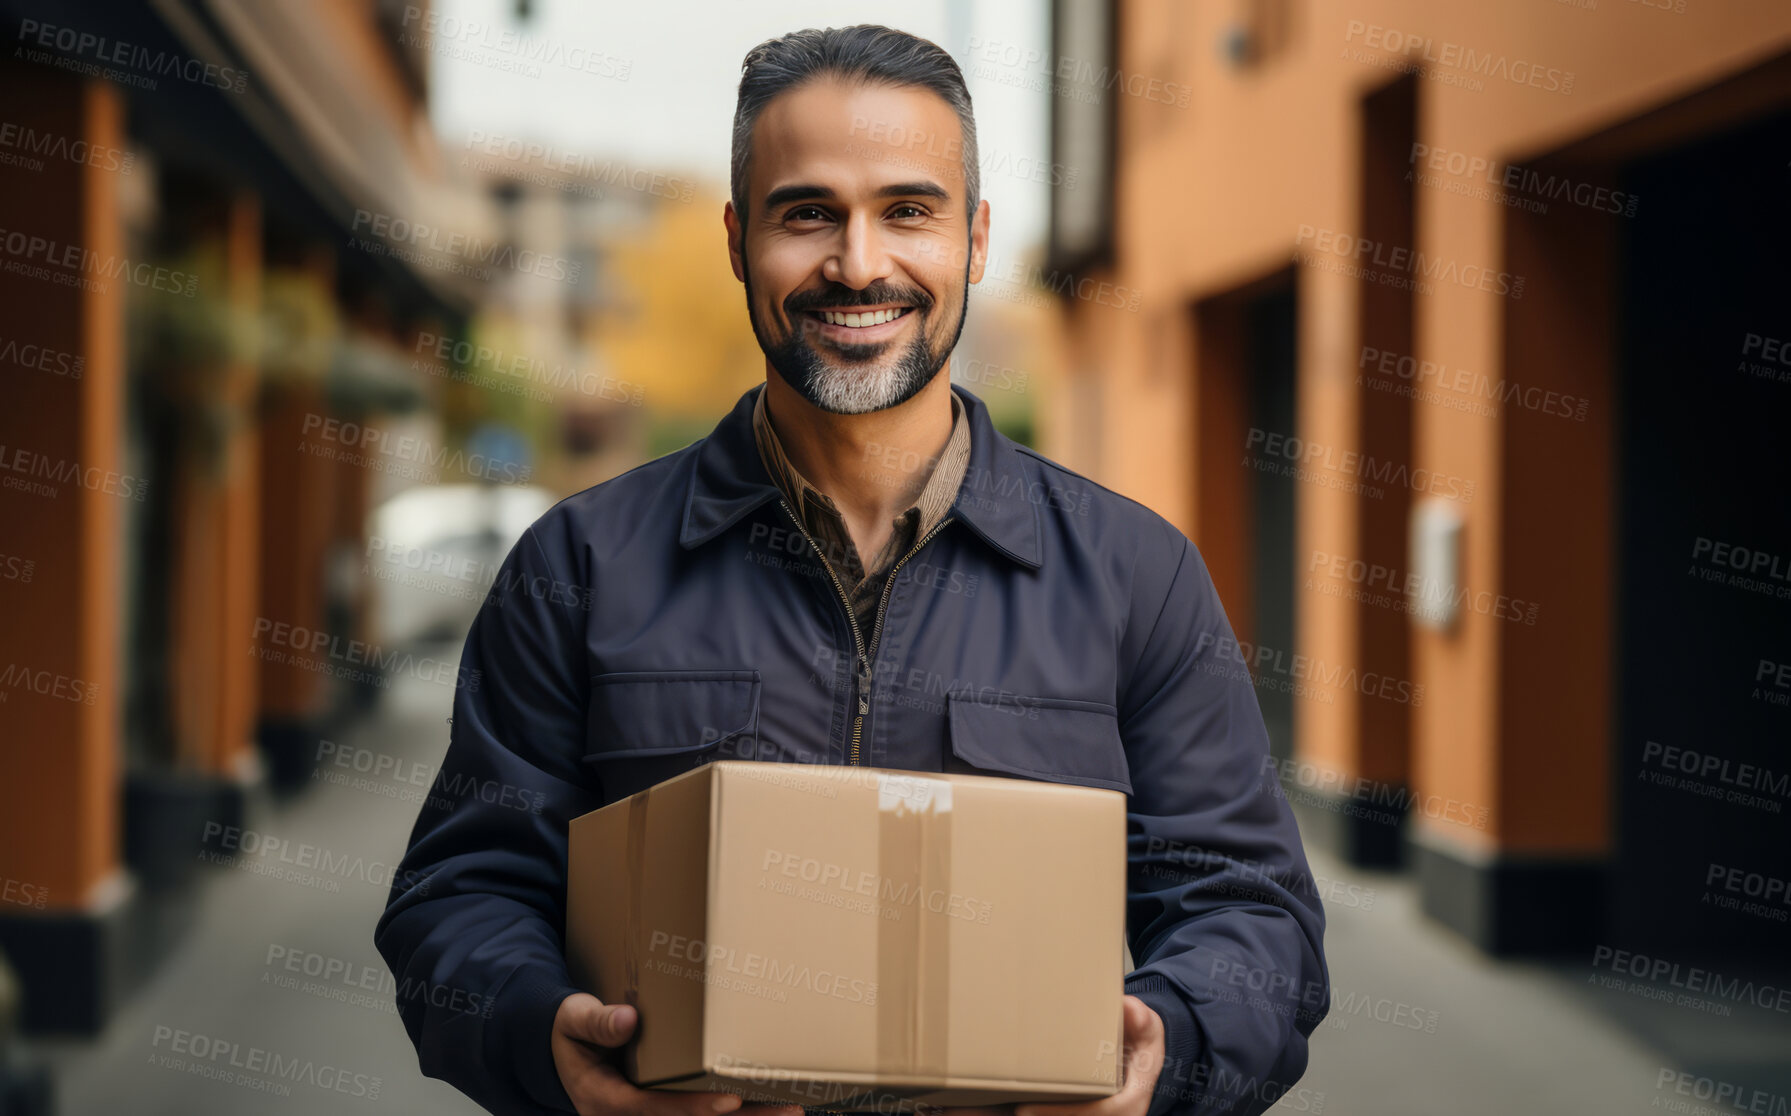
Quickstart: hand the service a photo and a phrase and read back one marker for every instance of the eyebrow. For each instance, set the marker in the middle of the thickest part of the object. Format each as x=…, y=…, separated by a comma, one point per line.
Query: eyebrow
x=783, y=195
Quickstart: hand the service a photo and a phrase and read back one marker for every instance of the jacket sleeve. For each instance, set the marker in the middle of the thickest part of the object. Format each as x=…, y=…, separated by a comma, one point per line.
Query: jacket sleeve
x=473, y=927
x=1223, y=918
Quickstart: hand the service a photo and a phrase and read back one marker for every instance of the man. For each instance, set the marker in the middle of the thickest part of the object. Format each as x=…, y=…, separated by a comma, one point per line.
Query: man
x=856, y=568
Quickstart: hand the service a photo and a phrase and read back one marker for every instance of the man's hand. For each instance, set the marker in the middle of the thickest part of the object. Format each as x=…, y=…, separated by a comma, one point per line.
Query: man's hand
x=583, y=1027
x=1145, y=1048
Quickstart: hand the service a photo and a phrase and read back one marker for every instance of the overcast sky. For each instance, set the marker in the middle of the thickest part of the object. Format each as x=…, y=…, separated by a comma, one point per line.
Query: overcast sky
x=674, y=108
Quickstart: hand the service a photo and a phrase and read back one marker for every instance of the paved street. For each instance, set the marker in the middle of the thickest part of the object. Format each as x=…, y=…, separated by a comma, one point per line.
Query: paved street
x=220, y=984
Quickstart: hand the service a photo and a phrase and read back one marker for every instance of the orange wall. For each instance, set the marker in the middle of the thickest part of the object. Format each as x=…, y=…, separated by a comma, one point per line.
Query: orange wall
x=59, y=728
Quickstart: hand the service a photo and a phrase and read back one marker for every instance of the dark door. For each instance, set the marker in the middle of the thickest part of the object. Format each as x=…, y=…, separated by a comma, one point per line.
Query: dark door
x=1271, y=328
x=1704, y=561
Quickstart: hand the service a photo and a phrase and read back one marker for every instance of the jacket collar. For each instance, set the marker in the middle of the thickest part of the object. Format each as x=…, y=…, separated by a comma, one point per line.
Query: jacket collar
x=728, y=481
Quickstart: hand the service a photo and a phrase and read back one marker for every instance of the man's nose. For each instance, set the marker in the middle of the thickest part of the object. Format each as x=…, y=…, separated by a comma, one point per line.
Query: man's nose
x=860, y=258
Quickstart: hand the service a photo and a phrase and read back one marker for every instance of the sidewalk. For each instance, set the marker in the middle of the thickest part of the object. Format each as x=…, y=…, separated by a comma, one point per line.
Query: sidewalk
x=232, y=980
x=1503, y=1037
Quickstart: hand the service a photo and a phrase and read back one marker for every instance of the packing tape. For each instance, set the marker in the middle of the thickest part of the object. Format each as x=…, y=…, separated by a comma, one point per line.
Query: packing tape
x=634, y=913
x=914, y=949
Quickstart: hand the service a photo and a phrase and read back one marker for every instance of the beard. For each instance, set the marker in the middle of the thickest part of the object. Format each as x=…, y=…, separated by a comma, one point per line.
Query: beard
x=871, y=377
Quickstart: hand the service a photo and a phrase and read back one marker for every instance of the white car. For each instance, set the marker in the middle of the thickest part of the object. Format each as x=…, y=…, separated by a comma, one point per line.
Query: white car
x=433, y=552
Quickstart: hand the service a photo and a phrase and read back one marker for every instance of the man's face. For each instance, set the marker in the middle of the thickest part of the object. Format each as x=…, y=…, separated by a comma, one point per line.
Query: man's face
x=857, y=253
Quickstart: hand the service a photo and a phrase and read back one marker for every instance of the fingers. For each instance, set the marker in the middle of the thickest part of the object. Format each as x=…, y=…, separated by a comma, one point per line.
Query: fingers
x=605, y=1092
x=588, y=1019
x=1142, y=1024
x=599, y=1089
x=1145, y=1041
x=1143, y=1057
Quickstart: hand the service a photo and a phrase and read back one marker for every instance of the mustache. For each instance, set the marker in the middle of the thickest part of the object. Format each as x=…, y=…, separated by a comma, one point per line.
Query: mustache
x=841, y=297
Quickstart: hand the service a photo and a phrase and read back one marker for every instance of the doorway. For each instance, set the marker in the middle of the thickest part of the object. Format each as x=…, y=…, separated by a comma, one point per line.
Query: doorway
x=1247, y=373
x=1703, y=632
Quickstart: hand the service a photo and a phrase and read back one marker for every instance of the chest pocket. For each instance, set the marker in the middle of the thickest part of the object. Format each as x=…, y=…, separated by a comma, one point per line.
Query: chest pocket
x=1057, y=740
x=643, y=727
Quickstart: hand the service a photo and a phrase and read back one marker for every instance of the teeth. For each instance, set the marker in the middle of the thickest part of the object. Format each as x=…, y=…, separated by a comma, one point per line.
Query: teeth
x=859, y=321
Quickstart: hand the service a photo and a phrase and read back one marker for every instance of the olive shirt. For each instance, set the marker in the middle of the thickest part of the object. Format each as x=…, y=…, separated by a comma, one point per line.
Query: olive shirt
x=821, y=516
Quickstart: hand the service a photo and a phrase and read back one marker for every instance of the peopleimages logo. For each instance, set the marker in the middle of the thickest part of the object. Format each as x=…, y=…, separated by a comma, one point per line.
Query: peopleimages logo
x=448, y=35
x=466, y=578
x=117, y=52
x=1692, y=979
x=363, y=769
x=1514, y=181
x=21, y=142
x=1774, y=354
x=265, y=854
x=1744, y=887
x=1457, y=386
x=261, y=1070
x=1292, y=776
x=464, y=246
x=32, y=473
x=1737, y=1097
x=70, y=265
x=23, y=894
x=1065, y=76
x=298, y=645
x=720, y=962
x=1356, y=579
x=1463, y=60
x=1300, y=453
x=552, y=378
x=358, y=985
x=40, y=358
x=1234, y=874
x=15, y=568
x=880, y=894
x=45, y=683
x=516, y=156
x=1713, y=776
x=1395, y=265
x=403, y=454
x=1758, y=571
x=1263, y=659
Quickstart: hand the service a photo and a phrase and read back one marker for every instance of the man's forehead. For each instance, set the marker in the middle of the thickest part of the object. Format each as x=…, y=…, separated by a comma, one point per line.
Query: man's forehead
x=872, y=133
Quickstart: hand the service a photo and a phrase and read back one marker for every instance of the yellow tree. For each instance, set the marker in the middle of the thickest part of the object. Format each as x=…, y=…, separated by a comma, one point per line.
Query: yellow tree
x=678, y=322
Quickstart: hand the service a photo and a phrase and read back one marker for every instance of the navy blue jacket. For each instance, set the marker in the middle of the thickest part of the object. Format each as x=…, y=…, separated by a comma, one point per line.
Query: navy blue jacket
x=1048, y=629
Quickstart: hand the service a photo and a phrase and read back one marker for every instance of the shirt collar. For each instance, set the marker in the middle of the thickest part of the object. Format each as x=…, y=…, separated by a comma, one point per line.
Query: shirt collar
x=729, y=480
x=931, y=505
x=782, y=470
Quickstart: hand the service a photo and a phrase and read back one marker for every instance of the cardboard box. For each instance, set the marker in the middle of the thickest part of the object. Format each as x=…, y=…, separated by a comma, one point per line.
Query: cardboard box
x=855, y=938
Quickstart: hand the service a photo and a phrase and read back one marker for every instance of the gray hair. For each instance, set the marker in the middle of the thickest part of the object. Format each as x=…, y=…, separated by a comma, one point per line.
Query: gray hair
x=866, y=54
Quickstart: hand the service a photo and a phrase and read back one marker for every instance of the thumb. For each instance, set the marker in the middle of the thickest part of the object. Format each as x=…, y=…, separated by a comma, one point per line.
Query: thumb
x=1144, y=1040
x=1140, y=1020
x=584, y=1017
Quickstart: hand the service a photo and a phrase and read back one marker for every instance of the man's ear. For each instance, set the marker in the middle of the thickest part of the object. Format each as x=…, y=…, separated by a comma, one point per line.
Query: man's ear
x=979, y=241
x=736, y=241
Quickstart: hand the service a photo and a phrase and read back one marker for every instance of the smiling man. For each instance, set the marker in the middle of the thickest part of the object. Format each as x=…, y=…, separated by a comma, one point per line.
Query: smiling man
x=855, y=567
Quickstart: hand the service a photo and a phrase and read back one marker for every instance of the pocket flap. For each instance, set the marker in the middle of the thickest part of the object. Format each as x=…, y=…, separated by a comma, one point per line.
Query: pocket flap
x=1058, y=740
x=669, y=712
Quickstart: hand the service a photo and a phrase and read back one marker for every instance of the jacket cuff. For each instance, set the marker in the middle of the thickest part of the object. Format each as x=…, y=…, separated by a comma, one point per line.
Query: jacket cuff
x=523, y=1021
x=1181, y=1043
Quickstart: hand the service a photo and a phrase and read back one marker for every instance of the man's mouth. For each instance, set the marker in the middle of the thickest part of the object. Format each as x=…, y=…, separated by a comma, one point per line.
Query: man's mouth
x=859, y=317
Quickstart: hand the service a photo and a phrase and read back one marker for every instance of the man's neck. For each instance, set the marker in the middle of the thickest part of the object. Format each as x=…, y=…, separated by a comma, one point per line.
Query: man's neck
x=873, y=466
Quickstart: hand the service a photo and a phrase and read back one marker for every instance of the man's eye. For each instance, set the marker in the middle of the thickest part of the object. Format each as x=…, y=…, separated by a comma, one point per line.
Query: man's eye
x=908, y=209
x=807, y=213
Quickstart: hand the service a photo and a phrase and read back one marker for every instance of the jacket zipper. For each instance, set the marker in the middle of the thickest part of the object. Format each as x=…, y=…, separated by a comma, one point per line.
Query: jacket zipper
x=862, y=677
x=877, y=629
